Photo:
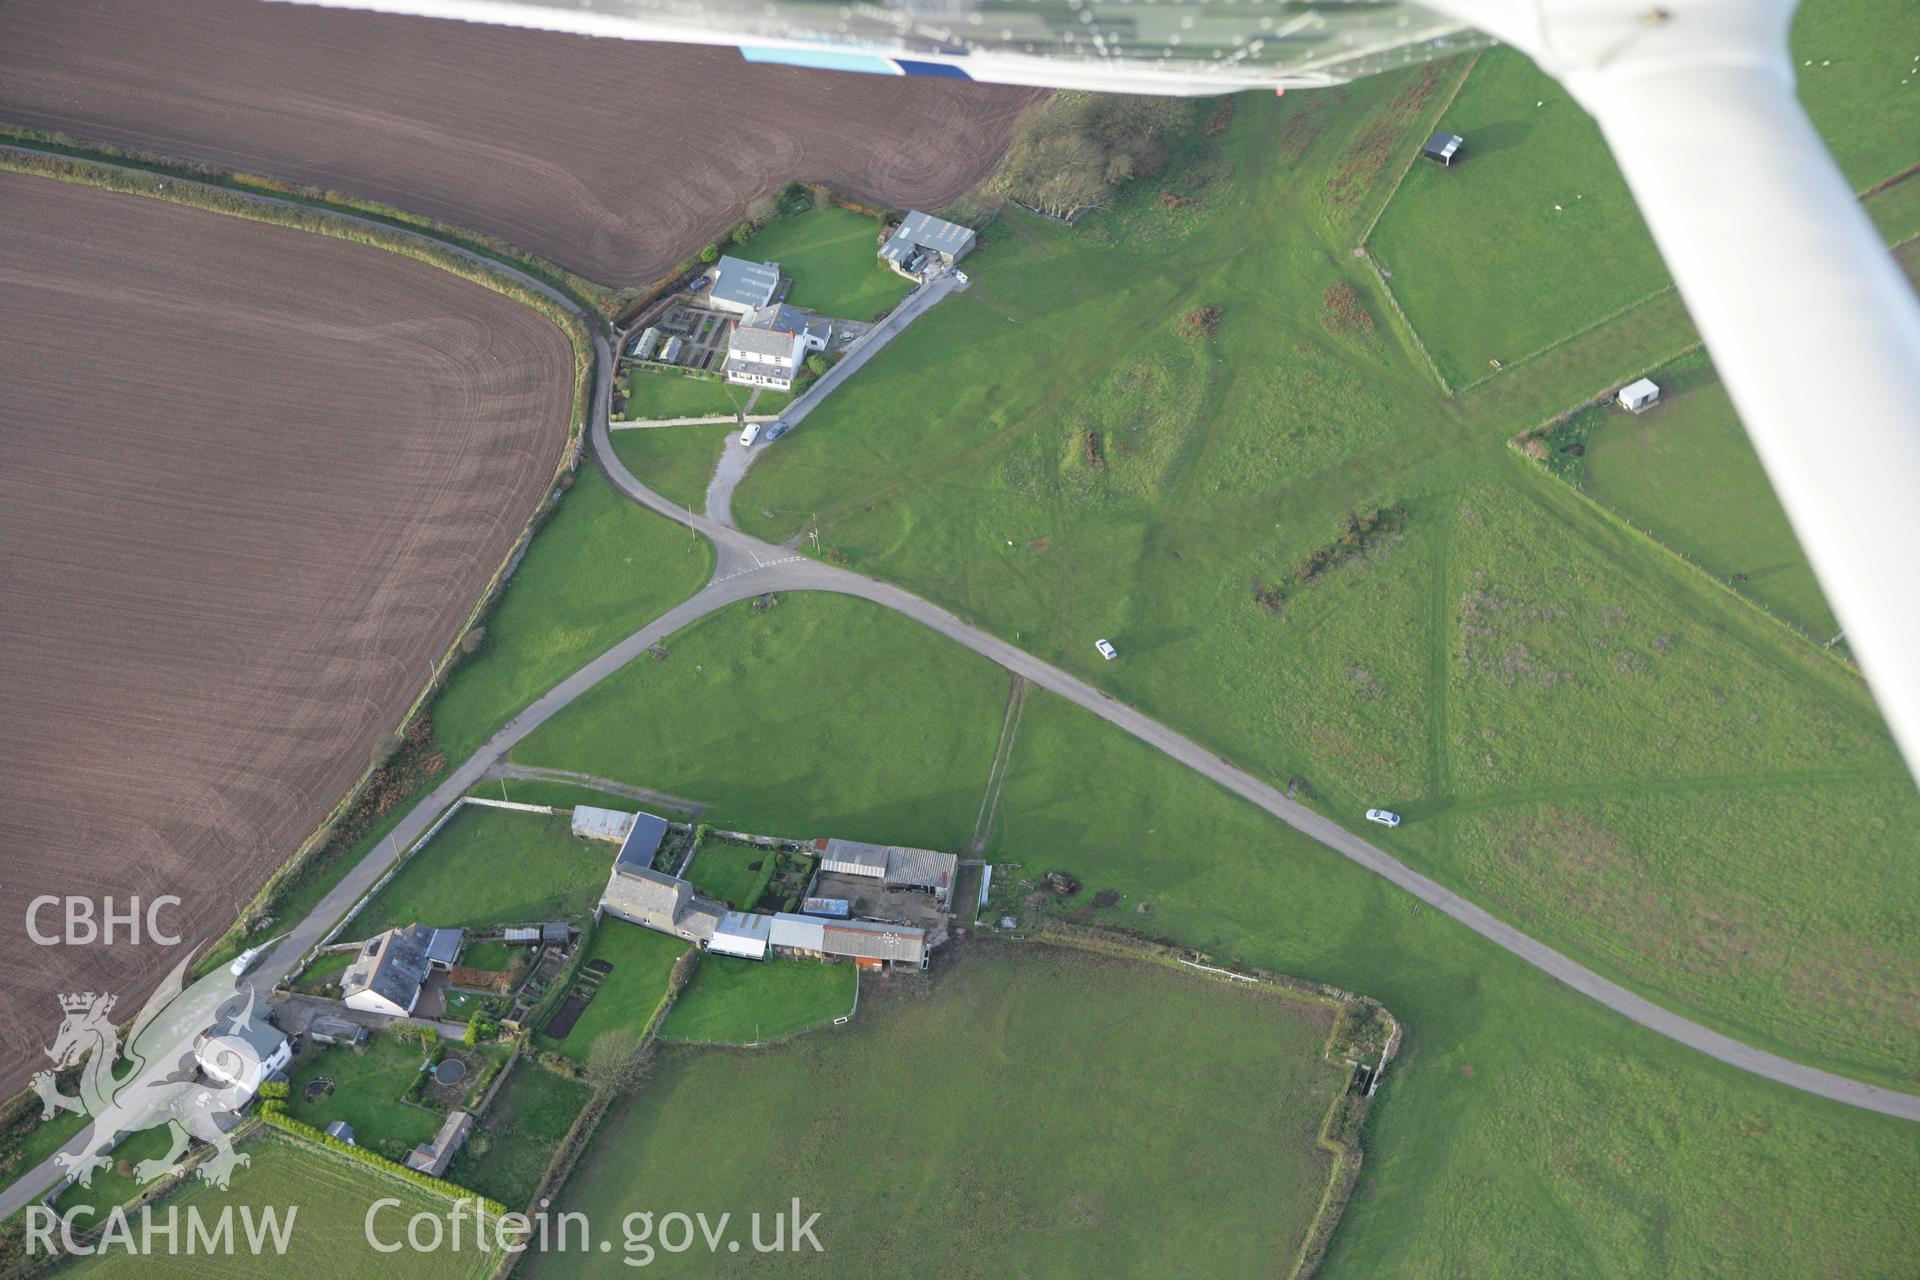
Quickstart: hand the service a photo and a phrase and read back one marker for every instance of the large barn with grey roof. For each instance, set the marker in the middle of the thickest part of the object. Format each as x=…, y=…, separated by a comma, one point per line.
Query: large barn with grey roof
x=924, y=245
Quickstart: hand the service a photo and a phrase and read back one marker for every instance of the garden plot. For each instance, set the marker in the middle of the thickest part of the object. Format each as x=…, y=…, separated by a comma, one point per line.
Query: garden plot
x=622, y=985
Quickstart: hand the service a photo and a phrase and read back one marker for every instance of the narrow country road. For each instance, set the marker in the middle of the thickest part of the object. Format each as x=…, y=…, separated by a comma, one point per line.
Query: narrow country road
x=747, y=567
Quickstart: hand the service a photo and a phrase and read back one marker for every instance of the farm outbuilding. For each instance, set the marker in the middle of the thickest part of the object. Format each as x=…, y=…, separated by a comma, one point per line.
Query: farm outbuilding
x=897, y=866
x=873, y=944
x=741, y=286
x=1443, y=147
x=923, y=244
x=432, y=1158
x=671, y=353
x=611, y=825
x=742, y=934
x=870, y=943
x=443, y=948
x=644, y=345
x=852, y=858
x=1638, y=395
x=329, y=1029
x=642, y=842
x=801, y=935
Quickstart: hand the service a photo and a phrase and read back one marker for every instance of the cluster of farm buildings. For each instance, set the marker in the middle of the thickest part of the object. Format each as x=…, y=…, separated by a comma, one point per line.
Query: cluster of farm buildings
x=825, y=929
x=770, y=340
x=389, y=970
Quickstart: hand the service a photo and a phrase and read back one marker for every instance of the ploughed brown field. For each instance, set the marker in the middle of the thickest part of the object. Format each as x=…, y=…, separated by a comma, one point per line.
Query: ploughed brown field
x=613, y=158
x=252, y=480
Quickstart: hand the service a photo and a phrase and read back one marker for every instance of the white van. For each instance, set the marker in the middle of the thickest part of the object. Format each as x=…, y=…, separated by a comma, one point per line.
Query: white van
x=751, y=434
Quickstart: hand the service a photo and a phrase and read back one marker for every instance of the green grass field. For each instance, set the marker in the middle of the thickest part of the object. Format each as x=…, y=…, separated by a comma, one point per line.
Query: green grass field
x=1686, y=473
x=1091, y=473
x=676, y=462
x=831, y=255
x=329, y=1198
x=1524, y=1130
x=867, y=776
x=493, y=866
x=655, y=394
x=629, y=996
x=600, y=568
x=1488, y=268
x=116, y=1184
x=735, y=1001
x=966, y=1122
x=1531, y=236
x=369, y=1089
x=506, y=1156
x=730, y=873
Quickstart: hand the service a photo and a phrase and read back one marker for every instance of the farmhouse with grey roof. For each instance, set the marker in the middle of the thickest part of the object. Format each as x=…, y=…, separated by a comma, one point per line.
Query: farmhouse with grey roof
x=385, y=976
x=646, y=897
x=658, y=901
x=769, y=347
x=248, y=1053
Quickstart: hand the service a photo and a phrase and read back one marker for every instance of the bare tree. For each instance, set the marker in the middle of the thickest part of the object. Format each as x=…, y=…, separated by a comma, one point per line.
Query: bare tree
x=617, y=1062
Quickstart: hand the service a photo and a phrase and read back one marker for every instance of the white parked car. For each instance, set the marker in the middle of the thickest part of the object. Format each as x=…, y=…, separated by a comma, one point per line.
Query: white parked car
x=1385, y=817
x=1106, y=649
x=751, y=434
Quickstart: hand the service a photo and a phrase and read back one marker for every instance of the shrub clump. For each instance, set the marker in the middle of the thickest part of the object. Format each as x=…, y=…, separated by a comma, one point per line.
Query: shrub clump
x=1201, y=322
x=1343, y=314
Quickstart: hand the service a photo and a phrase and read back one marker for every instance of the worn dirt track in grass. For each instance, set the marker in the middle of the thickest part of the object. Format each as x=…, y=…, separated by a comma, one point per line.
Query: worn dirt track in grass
x=255, y=480
x=613, y=158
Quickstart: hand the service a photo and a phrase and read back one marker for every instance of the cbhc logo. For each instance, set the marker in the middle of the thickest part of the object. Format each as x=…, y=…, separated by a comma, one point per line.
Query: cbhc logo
x=86, y=924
